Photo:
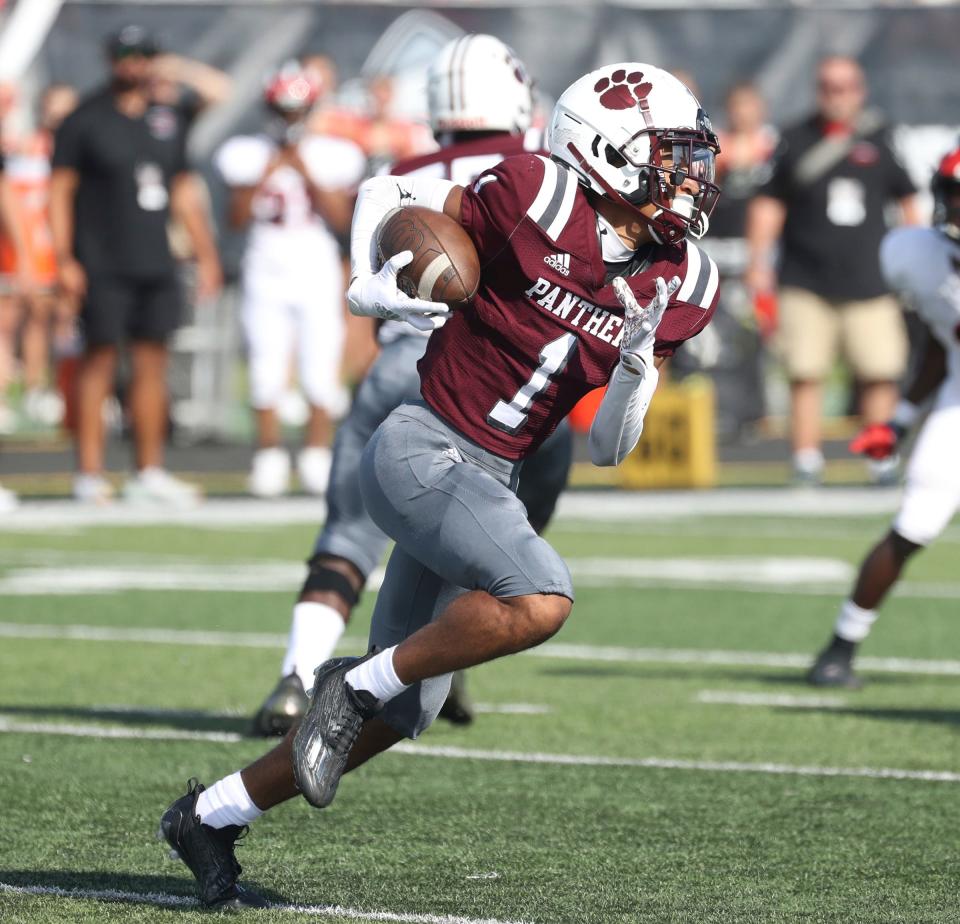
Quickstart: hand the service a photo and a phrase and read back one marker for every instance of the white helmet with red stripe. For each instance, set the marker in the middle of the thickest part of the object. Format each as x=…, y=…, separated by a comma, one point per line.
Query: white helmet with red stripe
x=477, y=83
x=634, y=133
x=292, y=89
x=946, y=194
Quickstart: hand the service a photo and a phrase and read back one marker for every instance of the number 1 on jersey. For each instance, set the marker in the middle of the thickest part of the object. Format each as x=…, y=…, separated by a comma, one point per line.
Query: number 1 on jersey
x=511, y=416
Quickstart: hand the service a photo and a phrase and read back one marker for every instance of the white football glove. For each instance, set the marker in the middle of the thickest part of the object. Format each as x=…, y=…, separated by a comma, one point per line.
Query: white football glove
x=377, y=296
x=640, y=324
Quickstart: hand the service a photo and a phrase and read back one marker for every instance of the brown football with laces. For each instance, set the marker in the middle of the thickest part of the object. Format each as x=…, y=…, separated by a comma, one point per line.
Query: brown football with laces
x=445, y=266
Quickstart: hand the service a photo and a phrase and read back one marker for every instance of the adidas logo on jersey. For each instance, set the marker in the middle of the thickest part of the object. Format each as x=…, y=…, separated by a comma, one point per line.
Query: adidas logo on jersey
x=558, y=261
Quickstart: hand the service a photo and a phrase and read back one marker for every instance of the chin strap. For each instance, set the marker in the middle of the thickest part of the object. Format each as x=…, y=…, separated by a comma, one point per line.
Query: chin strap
x=664, y=227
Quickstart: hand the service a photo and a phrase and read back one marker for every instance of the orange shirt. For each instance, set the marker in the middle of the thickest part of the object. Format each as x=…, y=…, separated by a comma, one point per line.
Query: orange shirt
x=27, y=170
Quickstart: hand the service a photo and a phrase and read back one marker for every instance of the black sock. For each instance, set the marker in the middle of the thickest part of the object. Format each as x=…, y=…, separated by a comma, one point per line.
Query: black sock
x=843, y=646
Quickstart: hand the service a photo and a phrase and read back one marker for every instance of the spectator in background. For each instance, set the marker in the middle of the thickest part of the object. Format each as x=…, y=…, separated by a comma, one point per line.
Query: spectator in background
x=746, y=144
x=13, y=282
x=292, y=191
x=833, y=176
x=188, y=85
x=28, y=173
x=119, y=170
x=383, y=136
x=360, y=342
x=8, y=500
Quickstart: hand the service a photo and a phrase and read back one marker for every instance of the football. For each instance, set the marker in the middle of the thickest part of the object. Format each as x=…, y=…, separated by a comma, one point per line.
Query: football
x=445, y=266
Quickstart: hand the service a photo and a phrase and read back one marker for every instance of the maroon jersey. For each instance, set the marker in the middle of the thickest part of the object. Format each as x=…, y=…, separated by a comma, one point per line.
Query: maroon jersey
x=462, y=163
x=545, y=326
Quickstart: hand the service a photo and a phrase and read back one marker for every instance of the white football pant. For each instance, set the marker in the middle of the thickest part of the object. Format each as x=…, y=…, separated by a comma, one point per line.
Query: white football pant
x=283, y=317
x=932, y=492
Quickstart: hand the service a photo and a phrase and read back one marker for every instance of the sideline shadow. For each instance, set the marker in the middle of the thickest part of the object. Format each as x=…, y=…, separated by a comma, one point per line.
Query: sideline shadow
x=944, y=717
x=183, y=719
x=167, y=893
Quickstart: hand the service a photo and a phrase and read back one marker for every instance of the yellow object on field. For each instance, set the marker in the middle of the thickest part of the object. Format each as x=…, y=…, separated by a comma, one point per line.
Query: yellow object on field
x=678, y=447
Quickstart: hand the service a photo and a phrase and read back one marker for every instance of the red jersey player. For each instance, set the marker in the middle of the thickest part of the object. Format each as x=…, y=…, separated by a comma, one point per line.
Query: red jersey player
x=570, y=247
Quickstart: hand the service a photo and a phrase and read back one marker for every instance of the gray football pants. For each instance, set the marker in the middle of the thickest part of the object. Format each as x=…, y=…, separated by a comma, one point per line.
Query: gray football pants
x=392, y=380
x=458, y=525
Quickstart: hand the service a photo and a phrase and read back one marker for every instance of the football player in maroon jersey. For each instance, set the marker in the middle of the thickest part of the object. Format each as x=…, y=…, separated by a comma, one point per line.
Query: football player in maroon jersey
x=480, y=103
x=571, y=247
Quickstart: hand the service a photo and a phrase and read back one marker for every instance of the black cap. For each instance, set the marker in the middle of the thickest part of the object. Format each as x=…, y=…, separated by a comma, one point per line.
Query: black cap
x=131, y=40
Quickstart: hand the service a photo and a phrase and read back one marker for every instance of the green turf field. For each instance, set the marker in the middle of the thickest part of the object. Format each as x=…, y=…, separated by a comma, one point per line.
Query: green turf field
x=659, y=761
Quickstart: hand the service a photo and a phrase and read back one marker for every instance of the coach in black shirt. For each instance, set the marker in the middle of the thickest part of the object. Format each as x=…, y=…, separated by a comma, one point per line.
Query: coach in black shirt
x=833, y=178
x=119, y=167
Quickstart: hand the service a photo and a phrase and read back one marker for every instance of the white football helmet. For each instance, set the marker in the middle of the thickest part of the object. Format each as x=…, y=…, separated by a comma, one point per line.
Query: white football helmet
x=477, y=83
x=634, y=133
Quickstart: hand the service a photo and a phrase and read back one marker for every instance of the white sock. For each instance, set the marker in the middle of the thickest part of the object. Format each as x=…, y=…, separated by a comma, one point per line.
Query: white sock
x=854, y=622
x=227, y=802
x=377, y=676
x=808, y=460
x=314, y=633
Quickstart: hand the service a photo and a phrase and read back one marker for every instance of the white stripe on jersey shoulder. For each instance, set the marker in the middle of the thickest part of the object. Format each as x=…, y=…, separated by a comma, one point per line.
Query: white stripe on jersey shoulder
x=553, y=205
x=700, y=280
x=547, y=187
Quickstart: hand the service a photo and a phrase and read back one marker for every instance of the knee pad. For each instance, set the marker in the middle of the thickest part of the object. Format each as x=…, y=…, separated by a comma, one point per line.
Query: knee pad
x=321, y=577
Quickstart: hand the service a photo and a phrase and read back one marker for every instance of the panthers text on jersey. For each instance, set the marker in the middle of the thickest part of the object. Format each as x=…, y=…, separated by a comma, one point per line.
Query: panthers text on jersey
x=545, y=326
x=923, y=265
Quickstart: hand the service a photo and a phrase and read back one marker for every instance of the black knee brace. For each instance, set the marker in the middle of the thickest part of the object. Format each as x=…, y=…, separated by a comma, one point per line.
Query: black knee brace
x=321, y=577
x=903, y=548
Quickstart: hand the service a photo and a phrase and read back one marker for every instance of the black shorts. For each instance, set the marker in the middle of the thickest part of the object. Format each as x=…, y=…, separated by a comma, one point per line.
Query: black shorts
x=117, y=309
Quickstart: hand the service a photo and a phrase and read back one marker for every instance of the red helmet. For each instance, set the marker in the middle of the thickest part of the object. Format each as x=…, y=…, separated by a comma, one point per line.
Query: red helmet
x=291, y=89
x=946, y=193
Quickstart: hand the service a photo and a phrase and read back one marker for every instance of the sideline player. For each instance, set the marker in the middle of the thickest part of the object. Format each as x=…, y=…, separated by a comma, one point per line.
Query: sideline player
x=630, y=175
x=924, y=265
x=480, y=121
x=293, y=190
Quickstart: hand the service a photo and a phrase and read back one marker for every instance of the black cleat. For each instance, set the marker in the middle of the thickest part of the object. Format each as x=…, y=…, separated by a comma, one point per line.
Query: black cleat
x=281, y=709
x=834, y=668
x=329, y=730
x=457, y=709
x=208, y=852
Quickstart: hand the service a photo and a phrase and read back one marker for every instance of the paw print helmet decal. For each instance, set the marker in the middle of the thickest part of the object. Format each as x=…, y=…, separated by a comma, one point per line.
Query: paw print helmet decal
x=636, y=134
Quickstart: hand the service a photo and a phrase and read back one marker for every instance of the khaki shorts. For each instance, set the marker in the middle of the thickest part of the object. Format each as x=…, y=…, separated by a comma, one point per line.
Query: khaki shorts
x=871, y=333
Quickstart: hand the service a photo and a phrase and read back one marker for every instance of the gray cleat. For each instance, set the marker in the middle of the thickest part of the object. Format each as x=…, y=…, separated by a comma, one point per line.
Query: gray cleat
x=833, y=668
x=281, y=709
x=329, y=730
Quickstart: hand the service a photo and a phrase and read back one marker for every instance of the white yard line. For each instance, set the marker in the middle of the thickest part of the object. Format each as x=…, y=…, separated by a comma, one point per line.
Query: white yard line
x=724, y=658
x=512, y=709
x=808, y=575
x=182, y=901
x=552, y=650
x=12, y=726
x=612, y=506
x=784, y=700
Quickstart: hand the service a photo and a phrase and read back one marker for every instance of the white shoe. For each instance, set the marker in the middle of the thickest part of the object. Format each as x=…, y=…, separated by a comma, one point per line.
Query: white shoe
x=43, y=406
x=270, y=472
x=313, y=467
x=8, y=500
x=92, y=489
x=156, y=485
